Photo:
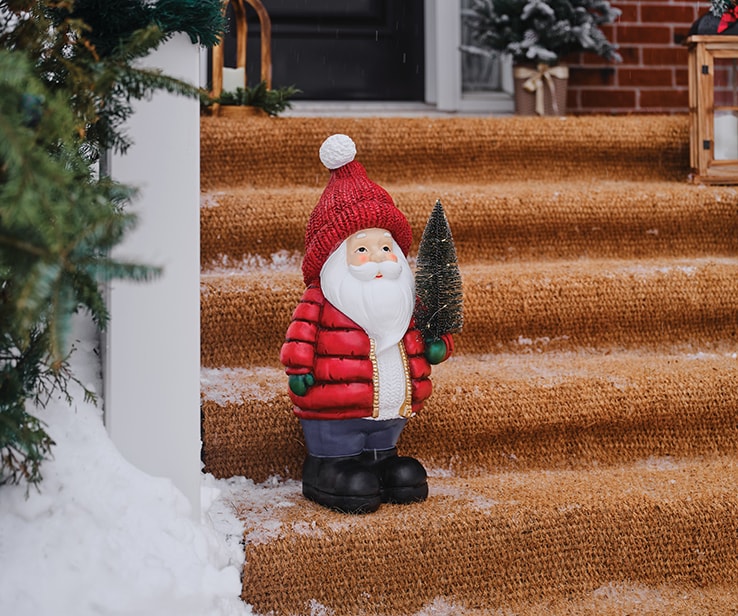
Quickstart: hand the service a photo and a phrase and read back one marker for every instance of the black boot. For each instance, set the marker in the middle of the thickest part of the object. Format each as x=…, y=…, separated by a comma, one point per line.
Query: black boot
x=403, y=479
x=343, y=484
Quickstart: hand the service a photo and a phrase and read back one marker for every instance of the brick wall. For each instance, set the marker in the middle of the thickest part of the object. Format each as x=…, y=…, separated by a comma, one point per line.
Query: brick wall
x=653, y=74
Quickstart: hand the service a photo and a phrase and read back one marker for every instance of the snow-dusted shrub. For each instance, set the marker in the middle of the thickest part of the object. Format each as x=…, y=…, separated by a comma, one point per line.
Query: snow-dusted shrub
x=540, y=31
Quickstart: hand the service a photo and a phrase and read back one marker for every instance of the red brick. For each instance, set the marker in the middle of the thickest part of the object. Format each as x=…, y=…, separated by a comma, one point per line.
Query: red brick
x=609, y=31
x=681, y=32
x=629, y=13
x=645, y=77
x=682, y=77
x=664, y=56
x=608, y=98
x=631, y=55
x=592, y=59
x=725, y=98
x=665, y=99
x=652, y=35
x=668, y=14
x=579, y=76
x=623, y=3
x=723, y=75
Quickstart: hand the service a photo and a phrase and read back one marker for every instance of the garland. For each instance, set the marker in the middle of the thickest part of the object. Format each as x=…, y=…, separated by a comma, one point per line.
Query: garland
x=727, y=11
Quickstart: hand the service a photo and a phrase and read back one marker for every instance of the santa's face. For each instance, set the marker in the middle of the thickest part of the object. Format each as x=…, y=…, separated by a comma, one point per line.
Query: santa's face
x=369, y=279
x=370, y=245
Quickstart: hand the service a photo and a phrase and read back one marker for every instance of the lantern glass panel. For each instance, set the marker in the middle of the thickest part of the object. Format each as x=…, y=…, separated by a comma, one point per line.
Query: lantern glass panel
x=726, y=109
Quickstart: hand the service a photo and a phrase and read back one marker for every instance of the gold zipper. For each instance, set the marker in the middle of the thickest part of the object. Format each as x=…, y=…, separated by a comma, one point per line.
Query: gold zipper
x=375, y=377
x=406, y=410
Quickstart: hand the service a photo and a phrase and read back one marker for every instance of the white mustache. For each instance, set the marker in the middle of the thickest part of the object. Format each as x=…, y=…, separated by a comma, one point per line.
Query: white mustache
x=368, y=271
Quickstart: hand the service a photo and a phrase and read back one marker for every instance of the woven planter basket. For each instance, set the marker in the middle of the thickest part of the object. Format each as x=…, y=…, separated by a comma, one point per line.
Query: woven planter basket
x=525, y=99
x=240, y=111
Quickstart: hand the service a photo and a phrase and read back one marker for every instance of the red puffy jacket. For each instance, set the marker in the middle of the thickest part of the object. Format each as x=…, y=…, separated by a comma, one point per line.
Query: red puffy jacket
x=324, y=342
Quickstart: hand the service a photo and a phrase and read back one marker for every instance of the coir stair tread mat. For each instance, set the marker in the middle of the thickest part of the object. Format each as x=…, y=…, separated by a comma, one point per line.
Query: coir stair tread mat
x=582, y=443
x=506, y=411
x=507, y=539
x=574, y=303
x=499, y=221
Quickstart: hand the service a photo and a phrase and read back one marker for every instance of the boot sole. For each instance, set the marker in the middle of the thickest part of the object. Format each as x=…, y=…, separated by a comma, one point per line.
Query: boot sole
x=405, y=494
x=343, y=503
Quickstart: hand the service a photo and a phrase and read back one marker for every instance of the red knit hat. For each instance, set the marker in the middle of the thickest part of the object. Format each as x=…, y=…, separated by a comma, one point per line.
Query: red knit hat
x=350, y=202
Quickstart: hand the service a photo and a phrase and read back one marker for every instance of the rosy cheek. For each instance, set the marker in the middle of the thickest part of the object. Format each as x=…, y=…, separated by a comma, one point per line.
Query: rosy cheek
x=392, y=257
x=362, y=258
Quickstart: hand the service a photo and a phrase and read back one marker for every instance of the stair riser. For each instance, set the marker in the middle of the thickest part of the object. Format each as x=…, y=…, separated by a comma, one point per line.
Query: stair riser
x=507, y=309
x=696, y=419
x=499, y=223
x=571, y=307
x=252, y=439
x=245, y=326
x=268, y=152
x=490, y=421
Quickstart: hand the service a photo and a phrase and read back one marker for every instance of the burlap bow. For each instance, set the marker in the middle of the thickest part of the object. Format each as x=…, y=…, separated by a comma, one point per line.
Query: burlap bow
x=534, y=79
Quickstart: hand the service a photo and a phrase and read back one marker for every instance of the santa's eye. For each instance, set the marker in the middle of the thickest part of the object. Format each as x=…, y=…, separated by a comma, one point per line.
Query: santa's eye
x=386, y=248
x=361, y=249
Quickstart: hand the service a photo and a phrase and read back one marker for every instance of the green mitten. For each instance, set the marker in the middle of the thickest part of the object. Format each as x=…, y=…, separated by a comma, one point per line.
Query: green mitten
x=435, y=351
x=299, y=383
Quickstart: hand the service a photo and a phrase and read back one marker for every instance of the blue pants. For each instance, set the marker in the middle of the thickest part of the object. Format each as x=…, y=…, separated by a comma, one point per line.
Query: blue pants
x=333, y=438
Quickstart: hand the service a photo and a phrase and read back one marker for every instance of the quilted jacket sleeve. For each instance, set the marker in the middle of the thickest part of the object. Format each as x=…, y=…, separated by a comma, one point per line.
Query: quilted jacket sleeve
x=298, y=350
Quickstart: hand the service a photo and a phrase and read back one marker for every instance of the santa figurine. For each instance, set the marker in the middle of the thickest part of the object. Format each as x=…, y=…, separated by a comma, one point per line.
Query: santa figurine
x=357, y=366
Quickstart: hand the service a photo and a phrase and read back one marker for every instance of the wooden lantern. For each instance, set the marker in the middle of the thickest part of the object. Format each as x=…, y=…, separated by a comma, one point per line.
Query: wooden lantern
x=713, y=108
x=239, y=12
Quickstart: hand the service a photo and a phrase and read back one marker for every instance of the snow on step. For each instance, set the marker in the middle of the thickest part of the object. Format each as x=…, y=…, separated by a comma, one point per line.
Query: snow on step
x=577, y=409
x=248, y=428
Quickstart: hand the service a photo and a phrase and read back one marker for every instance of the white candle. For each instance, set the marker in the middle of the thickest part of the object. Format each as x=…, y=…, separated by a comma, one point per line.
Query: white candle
x=233, y=78
x=726, y=135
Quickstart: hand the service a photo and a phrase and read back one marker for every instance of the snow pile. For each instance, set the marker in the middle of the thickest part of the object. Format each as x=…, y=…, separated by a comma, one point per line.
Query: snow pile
x=102, y=537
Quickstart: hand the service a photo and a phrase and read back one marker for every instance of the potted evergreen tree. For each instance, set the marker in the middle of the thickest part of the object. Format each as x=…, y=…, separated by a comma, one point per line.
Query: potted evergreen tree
x=538, y=34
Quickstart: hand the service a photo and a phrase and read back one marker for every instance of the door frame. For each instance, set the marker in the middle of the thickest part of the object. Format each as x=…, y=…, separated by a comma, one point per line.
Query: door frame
x=443, y=86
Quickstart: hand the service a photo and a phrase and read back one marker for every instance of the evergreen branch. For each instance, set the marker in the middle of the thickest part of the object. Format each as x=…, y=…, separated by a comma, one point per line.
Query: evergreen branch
x=273, y=102
x=22, y=246
x=67, y=83
x=61, y=306
x=202, y=20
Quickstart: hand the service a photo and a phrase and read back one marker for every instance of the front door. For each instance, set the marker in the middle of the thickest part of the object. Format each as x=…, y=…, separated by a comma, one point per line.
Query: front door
x=368, y=50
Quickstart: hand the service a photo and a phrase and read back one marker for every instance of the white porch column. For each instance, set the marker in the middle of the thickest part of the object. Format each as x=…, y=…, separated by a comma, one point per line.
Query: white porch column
x=152, y=350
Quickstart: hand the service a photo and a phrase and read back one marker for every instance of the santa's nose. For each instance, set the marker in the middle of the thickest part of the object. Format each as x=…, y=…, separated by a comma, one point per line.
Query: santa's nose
x=380, y=256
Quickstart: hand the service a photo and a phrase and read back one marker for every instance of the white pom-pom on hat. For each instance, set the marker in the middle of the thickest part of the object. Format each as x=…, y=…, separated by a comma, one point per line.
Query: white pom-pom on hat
x=337, y=151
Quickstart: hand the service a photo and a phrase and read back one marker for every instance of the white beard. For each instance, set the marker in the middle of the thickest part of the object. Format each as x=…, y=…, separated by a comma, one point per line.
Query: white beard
x=384, y=306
